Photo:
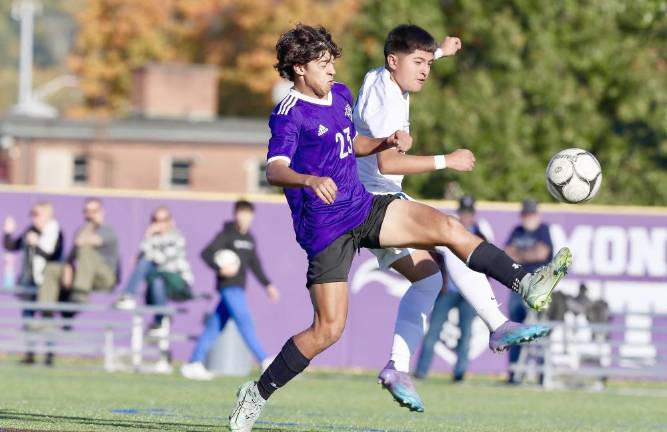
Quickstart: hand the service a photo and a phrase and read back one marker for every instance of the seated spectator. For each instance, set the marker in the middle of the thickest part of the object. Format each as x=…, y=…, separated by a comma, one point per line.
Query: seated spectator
x=163, y=265
x=92, y=264
x=41, y=245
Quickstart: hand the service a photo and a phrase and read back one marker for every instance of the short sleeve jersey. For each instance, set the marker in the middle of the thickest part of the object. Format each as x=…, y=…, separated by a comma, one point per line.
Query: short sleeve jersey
x=315, y=137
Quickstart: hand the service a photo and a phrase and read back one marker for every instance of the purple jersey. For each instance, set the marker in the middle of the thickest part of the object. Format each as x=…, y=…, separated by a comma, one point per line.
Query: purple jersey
x=315, y=137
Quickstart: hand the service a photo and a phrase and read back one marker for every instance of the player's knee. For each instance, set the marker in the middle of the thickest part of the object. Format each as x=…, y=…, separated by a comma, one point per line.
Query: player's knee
x=451, y=228
x=329, y=332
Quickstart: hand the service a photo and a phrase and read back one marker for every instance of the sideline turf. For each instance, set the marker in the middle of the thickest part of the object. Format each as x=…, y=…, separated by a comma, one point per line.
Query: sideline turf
x=81, y=398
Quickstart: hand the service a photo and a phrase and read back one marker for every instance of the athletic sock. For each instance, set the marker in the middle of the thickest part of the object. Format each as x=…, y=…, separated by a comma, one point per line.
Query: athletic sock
x=413, y=309
x=475, y=288
x=491, y=261
x=287, y=364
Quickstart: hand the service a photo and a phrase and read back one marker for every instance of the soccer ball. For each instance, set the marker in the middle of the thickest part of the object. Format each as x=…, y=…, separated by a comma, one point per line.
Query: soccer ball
x=228, y=261
x=573, y=176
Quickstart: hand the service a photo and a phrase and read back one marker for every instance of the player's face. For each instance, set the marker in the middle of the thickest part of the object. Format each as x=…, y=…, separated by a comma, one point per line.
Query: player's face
x=318, y=75
x=244, y=220
x=410, y=71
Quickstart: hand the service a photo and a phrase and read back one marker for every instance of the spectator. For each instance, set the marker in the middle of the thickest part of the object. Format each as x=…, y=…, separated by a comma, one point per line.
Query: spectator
x=41, y=245
x=530, y=245
x=163, y=265
x=230, y=253
x=92, y=264
x=447, y=299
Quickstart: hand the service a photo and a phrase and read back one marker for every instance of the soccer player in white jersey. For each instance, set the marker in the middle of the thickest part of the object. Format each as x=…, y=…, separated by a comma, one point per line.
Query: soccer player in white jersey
x=383, y=103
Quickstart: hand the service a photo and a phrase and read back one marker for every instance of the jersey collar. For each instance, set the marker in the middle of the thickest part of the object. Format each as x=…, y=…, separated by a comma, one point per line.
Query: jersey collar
x=328, y=101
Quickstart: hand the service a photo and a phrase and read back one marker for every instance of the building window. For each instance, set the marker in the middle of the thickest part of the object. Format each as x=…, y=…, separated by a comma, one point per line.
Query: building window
x=181, y=171
x=80, y=169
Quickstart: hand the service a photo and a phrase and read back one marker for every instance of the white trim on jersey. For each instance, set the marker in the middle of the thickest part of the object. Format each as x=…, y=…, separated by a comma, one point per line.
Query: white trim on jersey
x=328, y=101
x=275, y=158
x=286, y=105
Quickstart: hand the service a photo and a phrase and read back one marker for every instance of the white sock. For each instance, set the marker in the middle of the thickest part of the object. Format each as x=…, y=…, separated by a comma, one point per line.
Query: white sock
x=413, y=309
x=476, y=289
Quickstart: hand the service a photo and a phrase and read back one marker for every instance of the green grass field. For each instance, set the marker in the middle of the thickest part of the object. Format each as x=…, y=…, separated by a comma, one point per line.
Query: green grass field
x=80, y=398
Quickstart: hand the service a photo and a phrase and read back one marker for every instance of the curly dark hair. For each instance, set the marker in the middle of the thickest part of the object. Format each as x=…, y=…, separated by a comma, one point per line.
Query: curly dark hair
x=301, y=45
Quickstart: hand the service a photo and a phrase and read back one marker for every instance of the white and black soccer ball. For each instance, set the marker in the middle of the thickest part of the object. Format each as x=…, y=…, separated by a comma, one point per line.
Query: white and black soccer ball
x=573, y=176
x=228, y=261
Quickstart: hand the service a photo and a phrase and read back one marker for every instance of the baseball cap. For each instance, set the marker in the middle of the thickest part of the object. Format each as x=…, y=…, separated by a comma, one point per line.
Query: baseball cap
x=467, y=204
x=529, y=206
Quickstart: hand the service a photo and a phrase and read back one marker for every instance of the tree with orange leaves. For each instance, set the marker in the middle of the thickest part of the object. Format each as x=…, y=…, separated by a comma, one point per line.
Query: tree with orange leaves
x=117, y=36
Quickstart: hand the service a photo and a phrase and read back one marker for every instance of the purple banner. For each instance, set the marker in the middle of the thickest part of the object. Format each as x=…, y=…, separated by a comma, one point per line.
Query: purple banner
x=620, y=253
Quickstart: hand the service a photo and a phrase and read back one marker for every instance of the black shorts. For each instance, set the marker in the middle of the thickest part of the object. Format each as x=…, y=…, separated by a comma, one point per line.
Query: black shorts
x=333, y=263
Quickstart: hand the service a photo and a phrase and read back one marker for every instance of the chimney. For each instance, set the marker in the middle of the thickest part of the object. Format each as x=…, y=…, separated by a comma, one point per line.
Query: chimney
x=175, y=91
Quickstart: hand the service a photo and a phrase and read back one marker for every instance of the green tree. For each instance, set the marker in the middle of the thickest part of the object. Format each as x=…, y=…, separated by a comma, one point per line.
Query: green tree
x=534, y=78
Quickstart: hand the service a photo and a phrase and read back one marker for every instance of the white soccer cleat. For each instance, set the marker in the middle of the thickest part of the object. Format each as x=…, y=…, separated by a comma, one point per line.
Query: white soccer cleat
x=248, y=408
x=196, y=371
x=126, y=302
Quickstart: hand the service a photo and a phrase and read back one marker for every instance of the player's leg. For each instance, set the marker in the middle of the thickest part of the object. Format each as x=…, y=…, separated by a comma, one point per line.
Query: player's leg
x=411, y=224
x=421, y=269
x=424, y=273
x=327, y=281
x=476, y=289
x=330, y=307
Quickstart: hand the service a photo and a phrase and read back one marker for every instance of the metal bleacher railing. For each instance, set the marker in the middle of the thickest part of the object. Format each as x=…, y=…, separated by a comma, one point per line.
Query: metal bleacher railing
x=121, y=341
x=633, y=345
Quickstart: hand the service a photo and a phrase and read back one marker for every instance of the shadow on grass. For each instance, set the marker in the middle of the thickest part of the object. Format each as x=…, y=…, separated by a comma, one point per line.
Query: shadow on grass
x=129, y=424
x=89, y=421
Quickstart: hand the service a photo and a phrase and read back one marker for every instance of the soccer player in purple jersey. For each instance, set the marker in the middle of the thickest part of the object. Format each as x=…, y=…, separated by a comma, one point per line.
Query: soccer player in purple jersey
x=312, y=154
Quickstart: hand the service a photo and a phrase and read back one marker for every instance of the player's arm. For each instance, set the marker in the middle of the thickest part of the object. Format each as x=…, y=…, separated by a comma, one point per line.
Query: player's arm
x=278, y=173
x=448, y=47
x=399, y=141
x=393, y=162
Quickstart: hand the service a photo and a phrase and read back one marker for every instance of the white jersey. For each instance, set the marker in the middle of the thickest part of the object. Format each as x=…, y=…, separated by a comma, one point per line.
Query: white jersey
x=381, y=110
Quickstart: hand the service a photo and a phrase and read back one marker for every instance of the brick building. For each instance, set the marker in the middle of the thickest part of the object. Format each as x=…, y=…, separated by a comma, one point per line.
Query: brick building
x=173, y=140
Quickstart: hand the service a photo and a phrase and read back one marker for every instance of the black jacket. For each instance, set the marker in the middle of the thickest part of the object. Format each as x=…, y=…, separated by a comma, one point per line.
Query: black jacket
x=244, y=245
x=15, y=244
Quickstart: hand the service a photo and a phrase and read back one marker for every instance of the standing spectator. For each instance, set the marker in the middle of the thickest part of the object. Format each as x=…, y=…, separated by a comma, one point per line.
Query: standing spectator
x=93, y=261
x=530, y=245
x=235, y=238
x=163, y=265
x=41, y=245
x=447, y=299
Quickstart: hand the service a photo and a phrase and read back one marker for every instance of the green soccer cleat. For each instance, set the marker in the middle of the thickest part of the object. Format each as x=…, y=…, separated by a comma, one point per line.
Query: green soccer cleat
x=536, y=289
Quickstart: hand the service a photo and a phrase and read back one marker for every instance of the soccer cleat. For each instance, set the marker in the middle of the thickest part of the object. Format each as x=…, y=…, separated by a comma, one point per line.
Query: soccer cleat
x=196, y=371
x=513, y=333
x=536, y=288
x=401, y=388
x=248, y=408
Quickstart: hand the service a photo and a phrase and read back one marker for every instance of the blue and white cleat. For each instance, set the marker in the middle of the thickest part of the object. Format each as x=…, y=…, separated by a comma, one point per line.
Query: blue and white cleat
x=400, y=385
x=513, y=333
